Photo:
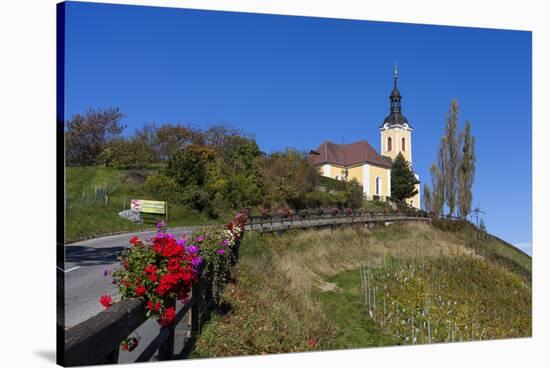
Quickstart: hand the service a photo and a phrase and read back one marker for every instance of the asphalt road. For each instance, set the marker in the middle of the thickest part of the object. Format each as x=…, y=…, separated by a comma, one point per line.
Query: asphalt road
x=86, y=262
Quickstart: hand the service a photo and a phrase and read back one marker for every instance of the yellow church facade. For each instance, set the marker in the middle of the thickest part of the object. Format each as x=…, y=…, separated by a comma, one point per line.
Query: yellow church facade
x=360, y=161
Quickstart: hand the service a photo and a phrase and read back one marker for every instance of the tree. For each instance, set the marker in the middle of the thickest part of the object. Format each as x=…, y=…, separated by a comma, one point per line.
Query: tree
x=189, y=165
x=86, y=136
x=403, y=181
x=466, y=171
x=286, y=178
x=427, y=198
x=451, y=157
x=127, y=153
x=438, y=194
x=171, y=138
x=238, y=155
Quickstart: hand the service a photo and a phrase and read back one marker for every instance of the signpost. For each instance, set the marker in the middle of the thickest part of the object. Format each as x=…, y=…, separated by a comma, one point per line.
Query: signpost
x=147, y=206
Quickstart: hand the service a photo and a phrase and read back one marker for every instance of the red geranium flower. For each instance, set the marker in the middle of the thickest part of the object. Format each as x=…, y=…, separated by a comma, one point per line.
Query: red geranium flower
x=167, y=317
x=140, y=290
x=106, y=301
x=153, y=307
x=135, y=241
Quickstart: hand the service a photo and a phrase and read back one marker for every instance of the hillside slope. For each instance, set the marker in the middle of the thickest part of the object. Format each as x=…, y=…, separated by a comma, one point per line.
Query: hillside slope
x=95, y=195
x=302, y=291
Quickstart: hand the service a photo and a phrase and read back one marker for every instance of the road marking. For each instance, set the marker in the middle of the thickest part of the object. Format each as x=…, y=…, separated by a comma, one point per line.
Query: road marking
x=69, y=270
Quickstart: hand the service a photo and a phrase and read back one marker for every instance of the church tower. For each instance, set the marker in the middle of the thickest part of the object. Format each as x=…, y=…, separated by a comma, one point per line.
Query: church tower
x=395, y=131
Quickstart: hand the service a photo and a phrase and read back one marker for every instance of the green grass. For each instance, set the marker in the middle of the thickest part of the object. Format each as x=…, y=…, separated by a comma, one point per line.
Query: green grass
x=90, y=213
x=345, y=310
x=300, y=291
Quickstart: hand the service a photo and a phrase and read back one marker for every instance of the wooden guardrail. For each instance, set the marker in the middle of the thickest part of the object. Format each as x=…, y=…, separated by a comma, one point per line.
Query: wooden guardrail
x=284, y=222
x=97, y=340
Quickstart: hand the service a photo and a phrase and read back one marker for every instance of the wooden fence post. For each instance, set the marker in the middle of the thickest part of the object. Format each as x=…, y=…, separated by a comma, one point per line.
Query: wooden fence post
x=166, y=350
x=196, y=294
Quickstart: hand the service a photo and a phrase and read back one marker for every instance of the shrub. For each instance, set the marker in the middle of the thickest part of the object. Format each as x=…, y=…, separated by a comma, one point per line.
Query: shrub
x=448, y=224
x=164, y=188
x=199, y=199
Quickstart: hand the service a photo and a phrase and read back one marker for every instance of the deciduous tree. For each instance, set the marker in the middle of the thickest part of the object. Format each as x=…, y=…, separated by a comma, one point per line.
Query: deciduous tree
x=86, y=136
x=466, y=171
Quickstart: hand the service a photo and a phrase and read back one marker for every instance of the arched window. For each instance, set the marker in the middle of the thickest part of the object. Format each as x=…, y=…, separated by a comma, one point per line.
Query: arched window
x=378, y=185
x=389, y=144
x=403, y=147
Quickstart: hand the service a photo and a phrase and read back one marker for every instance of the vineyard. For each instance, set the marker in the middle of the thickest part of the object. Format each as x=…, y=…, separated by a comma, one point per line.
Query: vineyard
x=459, y=298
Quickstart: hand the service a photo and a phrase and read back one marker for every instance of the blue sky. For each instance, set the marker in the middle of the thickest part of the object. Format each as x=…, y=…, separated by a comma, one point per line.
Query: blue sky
x=297, y=81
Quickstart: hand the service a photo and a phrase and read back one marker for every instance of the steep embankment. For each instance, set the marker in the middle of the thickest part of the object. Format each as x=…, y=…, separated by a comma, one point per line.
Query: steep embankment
x=303, y=291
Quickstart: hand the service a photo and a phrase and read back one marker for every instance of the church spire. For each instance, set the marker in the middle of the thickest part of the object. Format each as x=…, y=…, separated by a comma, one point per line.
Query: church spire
x=395, y=97
x=395, y=117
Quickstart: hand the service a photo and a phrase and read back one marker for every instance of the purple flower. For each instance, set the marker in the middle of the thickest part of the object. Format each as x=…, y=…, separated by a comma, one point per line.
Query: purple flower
x=192, y=249
x=225, y=242
x=196, y=261
x=170, y=236
x=181, y=242
x=220, y=251
x=200, y=238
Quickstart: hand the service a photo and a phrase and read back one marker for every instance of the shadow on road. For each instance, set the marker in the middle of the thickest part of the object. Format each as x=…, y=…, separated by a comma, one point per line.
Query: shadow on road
x=88, y=256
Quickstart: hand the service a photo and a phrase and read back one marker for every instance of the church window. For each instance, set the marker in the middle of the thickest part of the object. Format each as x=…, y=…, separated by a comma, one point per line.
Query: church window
x=403, y=144
x=389, y=144
x=378, y=185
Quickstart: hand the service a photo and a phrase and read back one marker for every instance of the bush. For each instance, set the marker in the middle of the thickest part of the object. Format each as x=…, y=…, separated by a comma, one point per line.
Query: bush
x=449, y=224
x=164, y=188
x=199, y=199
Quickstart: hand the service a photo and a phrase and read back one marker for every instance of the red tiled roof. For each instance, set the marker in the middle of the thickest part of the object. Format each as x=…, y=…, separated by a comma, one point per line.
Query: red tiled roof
x=348, y=154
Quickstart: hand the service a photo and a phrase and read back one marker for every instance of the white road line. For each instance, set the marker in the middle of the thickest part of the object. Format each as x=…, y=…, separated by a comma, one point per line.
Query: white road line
x=69, y=270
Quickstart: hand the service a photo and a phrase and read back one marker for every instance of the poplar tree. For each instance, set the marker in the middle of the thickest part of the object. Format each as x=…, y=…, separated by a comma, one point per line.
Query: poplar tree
x=451, y=157
x=466, y=171
x=438, y=192
x=427, y=199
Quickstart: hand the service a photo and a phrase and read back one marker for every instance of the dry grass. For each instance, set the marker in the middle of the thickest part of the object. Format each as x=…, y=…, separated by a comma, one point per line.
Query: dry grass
x=308, y=257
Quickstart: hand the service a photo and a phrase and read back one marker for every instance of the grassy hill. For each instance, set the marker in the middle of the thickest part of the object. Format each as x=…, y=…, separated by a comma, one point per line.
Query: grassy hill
x=302, y=291
x=95, y=195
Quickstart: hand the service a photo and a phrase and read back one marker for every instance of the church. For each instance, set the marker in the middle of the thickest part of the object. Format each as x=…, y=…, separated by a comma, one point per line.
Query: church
x=361, y=161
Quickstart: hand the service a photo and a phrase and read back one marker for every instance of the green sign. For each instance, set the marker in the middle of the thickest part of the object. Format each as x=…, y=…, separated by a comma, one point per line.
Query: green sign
x=146, y=206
